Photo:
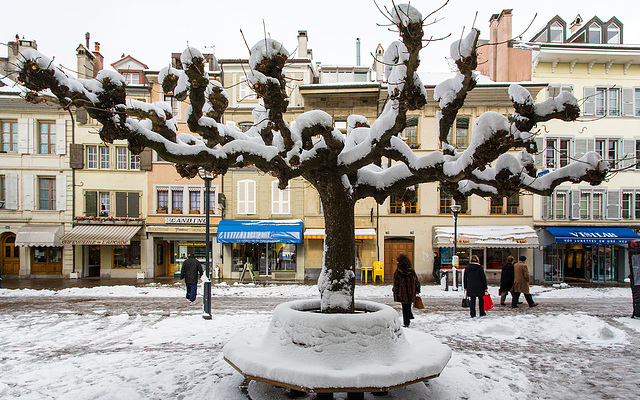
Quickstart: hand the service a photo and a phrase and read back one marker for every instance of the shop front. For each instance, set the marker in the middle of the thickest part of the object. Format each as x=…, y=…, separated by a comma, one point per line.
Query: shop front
x=269, y=248
x=44, y=248
x=584, y=254
x=492, y=245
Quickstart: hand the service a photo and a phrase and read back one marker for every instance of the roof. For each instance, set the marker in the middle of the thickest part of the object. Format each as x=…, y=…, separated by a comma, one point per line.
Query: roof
x=123, y=59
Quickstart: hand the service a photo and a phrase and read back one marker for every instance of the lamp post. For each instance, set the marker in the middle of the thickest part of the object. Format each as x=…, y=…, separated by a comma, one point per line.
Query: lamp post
x=207, y=176
x=455, y=209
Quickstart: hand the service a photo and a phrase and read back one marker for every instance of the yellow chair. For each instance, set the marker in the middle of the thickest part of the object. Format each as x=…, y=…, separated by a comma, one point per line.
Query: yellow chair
x=364, y=273
x=378, y=270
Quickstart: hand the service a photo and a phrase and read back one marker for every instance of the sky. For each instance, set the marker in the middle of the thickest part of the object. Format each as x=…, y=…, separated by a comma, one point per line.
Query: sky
x=151, y=30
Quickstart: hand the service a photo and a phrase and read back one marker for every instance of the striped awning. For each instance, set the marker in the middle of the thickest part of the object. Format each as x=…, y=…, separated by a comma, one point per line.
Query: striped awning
x=39, y=235
x=360, y=233
x=115, y=235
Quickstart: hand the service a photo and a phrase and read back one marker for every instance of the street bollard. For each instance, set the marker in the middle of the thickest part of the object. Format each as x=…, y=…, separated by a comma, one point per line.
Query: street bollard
x=444, y=281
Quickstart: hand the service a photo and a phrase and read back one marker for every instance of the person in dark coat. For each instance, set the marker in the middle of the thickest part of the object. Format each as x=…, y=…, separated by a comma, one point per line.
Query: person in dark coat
x=475, y=282
x=436, y=267
x=506, y=280
x=521, y=283
x=191, y=272
x=405, y=287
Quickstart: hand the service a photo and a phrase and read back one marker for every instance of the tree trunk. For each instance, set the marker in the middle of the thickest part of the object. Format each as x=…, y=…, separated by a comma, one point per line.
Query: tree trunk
x=337, y=279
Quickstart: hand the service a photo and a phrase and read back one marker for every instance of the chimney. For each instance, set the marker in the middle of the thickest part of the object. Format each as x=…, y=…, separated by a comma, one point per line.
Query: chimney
x=358, y=52
x=378, y=64
x=302, y=44
x=576, y=24
x=86, y=38
x=98, y=60
x=85, y=60
x=14, y=50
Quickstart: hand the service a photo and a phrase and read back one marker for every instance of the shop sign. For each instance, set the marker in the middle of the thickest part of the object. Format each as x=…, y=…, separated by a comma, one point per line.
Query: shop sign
x=460, y=240
x=178, y=220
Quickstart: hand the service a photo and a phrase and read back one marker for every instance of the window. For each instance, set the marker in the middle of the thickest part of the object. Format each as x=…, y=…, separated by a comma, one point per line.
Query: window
x=637, y=206
x=176, y=201
x=591, y=204
x=600, y=101
x=585, y=205
x=92, y=157
x=47, y=193
x=404, y=204
x=595, y=33
x=279, y=199
x=603, y=101
x=613, y=102
x=608, y=150
x=9, y=136
x=105, y=204
x=246, y=197
x=127, y=256
x=410, y=133
x=47, y=131
x=557, y=153
x=446, y=200
x=121, y=157
x=176, y=109
x=560, y=206
x=132, y=78
x=597, y=205
x=512, y=205
x=627, y=205
x=555, y=90
x=461, y=129
x=497, y=205
x=104, y=157
x=245, y=92
x=134, y=161
x=556, y=33
x=613, y=34
x=163, y=200
x=194, y=202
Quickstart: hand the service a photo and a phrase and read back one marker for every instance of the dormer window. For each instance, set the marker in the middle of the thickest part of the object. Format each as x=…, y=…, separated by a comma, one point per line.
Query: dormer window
x=132, y=78
x=595, y=33
x=555, y=33
x=613, y=34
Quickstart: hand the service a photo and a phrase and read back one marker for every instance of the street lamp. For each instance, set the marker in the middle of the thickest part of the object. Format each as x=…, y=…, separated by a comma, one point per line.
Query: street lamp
x=455, y=209
x=207, y=176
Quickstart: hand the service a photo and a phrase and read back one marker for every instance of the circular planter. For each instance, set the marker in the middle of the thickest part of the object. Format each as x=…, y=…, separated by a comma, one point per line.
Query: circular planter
x=306, y=350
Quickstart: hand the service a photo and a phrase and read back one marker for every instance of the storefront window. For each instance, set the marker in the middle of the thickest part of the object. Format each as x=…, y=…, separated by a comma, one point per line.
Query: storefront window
x=497, y=257
x=265, y=257
x=183, y=249
x=127, y=256
x=580, y=262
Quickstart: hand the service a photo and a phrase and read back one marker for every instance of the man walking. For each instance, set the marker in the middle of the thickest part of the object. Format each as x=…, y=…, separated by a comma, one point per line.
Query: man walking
x=191, y=272
x=521, y=283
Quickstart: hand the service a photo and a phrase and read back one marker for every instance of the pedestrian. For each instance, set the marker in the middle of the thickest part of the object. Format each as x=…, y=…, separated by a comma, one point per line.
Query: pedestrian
x=191, y=272
x=405, y=287
x=474, y=282
x=436, y=268
x=506, y=280
x=521, y=283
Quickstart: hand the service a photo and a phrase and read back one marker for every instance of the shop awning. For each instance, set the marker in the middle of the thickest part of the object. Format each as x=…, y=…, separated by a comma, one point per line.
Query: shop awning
x=113, y=235
x=260, y=231
x=360, y=233
x=591, y=234
x=486, y=236
x=39, y=235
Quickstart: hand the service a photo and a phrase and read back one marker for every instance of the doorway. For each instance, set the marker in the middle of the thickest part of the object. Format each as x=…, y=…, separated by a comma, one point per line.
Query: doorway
x=393, y=247
x=10, y=261
x=93, y=262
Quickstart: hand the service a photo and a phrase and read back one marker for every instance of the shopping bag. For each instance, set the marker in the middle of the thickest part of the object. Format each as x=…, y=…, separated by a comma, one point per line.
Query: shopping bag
x=465, y=301
x=418, y=303
x=488, y=303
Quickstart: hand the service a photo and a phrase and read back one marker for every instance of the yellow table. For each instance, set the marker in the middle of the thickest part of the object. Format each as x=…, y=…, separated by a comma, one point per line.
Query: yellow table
x=364, y=273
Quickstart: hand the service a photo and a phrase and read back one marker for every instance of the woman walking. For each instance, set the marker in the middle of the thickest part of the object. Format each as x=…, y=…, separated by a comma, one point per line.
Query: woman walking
x=506, y=280
x=475, y=283
x=405, y=287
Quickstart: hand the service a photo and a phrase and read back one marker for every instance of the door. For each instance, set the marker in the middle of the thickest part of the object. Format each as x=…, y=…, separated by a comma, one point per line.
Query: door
x=46, y=260
x=10, y=262
x=94, y=261
x=393, y=247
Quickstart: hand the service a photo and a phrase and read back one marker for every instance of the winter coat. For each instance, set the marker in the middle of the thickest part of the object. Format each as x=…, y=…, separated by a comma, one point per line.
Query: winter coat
x=405, y=285
x=506, y=278
x=474, y=280
x=520, y=278
x=191, y=270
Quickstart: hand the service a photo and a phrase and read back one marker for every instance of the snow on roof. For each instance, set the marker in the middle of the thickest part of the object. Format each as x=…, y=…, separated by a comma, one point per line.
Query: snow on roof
x=7, y=86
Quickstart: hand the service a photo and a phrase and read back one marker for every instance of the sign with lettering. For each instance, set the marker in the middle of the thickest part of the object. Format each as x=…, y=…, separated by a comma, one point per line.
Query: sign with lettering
x=184, y=220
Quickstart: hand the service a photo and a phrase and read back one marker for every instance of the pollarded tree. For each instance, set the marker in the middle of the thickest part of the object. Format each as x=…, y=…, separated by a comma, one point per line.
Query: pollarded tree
x=342, y=168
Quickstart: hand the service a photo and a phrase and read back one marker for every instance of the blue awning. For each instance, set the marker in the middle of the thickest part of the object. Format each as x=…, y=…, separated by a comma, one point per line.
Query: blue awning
x=260, y=231
x=590, y=234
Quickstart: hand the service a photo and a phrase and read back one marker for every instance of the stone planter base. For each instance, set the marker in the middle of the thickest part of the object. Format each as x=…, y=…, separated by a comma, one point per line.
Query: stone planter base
x=74, y=275
x=308, y=351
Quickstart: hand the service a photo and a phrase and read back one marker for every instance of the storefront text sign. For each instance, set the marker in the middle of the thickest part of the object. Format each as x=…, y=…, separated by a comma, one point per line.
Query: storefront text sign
x=172, y=220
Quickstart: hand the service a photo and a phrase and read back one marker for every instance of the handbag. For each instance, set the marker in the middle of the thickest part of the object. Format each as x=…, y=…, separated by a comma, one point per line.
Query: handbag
x=465, y=301
x=488, y=303
x=418, y=303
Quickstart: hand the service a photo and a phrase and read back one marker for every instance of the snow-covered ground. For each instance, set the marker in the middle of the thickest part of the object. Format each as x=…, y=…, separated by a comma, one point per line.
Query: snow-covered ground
x=127, y=342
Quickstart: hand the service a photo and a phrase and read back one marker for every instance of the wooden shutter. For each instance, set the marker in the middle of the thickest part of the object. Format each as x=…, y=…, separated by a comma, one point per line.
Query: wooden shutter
x=575, y=204
x=545, y=207
x=28, y=182
x=613, y=204
x=145, y=160
x=628, y=152
x=91, y=204
x=251, y=197
x=628, y=106
x=275, y=198
x=580, y=148
x=121, y=204
x=539, y=156
x=133, y=205
x=589, y=106
x=11, y=195
x=76, y=156
x=61, y=192
x=23, y=134
x=61, y=136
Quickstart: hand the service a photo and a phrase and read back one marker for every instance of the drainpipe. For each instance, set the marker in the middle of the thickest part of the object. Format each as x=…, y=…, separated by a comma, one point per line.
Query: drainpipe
x=73, y=185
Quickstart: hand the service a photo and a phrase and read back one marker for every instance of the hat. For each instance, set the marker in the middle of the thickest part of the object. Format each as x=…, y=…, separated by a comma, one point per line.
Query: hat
x=522, y=258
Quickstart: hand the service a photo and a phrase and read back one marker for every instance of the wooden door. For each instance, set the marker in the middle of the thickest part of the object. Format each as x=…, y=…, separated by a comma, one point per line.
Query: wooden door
x=392, y=248
x=10, y=261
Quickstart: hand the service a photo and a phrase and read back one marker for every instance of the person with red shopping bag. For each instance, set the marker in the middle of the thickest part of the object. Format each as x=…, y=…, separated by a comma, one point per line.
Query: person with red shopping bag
x=475, y=283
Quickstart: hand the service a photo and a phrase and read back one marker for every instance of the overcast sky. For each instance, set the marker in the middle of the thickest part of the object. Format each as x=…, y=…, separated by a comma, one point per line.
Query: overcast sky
x=151, y=30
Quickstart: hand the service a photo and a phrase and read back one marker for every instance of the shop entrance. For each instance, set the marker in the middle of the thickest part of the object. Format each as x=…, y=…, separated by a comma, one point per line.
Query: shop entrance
x=265, y=257
x=46, y=260
x=93, y=260
x=393, y=247
x=10, y=261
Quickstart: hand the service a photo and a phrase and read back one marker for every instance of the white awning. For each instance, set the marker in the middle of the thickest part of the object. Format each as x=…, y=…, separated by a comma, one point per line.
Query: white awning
x=101, y=234
x=486, y=236
x=39, y=236
x=360, y=233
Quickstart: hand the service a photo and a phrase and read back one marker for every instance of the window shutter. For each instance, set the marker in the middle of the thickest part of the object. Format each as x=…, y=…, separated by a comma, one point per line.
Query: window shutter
x=242, y=197
x=539, y=156
x=121, y=204
x=628, y=152
x=61, y=136
x=580, y=148
x=613, y=204
x=251, y=197
x=275, y=198
x=286, y=208
x=145, y=160
x=61, y=192
x=23, y=135
x=575, y=204
x=545, y=207
x=28, y=182
x=133, y=205
x=567, y=204
x=76, y=156
x=628, y=102
x=12, y=192
x=589, y=106
x=91, y=204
